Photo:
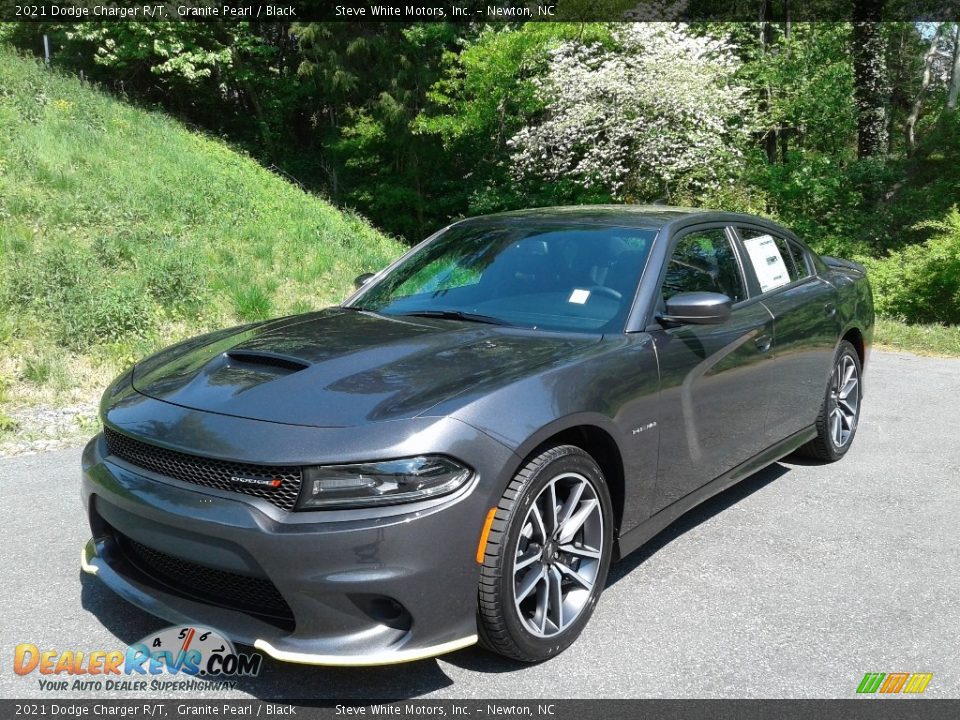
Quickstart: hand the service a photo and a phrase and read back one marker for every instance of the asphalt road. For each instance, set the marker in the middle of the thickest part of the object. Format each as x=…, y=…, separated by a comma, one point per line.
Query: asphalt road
x=792, y=584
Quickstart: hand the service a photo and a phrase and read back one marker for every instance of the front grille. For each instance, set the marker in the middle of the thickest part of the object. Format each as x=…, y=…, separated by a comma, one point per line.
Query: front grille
x=207, y=471
x=252, y=595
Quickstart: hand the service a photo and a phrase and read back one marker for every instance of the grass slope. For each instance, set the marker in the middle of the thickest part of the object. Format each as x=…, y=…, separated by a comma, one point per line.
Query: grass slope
x=121, y=230
x=922, y=339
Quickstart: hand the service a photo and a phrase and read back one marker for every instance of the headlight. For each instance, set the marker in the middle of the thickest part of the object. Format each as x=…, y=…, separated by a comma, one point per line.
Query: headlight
x=380, y=483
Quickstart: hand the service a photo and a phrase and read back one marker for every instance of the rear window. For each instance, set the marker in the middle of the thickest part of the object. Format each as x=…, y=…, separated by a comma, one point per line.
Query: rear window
x=776, y=261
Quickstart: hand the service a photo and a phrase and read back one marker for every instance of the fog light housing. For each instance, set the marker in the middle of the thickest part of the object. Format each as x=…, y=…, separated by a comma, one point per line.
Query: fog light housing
x=380, y=483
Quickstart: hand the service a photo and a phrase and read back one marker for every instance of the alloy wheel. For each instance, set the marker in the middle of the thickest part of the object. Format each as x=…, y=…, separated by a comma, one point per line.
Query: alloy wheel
x=558, y=555
x=844, y=401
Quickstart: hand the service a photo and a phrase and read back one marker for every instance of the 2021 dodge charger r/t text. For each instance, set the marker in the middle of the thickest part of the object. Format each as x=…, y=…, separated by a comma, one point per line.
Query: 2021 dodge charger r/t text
x=459, y=451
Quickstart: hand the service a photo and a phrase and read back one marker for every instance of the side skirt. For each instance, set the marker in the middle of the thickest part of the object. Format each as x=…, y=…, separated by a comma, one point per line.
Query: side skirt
x=639, y=535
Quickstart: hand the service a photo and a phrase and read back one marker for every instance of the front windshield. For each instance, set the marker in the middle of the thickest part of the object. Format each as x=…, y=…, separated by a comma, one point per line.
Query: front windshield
x=578, y=278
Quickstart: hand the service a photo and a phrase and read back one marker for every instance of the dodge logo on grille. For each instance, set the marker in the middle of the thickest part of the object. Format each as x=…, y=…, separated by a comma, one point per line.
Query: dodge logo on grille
x=264, y=482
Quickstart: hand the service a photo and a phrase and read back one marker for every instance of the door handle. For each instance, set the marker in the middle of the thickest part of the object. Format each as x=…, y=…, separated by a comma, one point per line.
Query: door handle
x=763, y=343
x=830, y=309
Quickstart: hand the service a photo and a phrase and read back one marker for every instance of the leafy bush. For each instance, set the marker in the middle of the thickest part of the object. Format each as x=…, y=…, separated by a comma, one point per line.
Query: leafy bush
x=930, y=186
x=829, y=203
x=921, y=283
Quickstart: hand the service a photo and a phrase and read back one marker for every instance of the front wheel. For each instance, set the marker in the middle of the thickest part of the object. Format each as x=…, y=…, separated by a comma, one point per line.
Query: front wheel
x=840, y=412
x=547, y=556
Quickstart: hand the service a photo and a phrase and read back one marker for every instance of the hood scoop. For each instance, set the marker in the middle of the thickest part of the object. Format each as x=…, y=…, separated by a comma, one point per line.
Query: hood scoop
x=260, y=358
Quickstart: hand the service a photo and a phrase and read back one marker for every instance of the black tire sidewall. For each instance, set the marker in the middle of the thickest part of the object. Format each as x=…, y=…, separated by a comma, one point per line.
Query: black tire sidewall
x=582, y=464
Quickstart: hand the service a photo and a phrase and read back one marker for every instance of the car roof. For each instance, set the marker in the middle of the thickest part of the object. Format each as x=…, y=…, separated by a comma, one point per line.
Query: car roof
x=645, y=216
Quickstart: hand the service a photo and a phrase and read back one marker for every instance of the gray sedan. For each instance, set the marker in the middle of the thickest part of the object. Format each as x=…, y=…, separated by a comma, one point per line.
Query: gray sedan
x=459, y=451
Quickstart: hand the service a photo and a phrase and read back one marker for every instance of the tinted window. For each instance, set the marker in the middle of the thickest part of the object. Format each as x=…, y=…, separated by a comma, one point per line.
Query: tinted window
x=530, y=274
x=799, y=260
x=776, y=261
x=704, y=262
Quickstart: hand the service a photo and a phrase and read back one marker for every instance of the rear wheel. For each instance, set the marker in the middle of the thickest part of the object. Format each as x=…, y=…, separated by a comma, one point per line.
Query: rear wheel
x=547, y=556
x=840, y=412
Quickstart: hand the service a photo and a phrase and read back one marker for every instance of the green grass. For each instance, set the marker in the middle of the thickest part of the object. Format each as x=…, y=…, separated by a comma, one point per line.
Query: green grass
x=46, y=368
x=121, y=230
x=943, y=340
x=251, y=302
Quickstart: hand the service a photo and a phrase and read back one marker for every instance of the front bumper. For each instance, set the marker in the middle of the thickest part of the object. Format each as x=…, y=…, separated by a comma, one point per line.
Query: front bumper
x=367, y=587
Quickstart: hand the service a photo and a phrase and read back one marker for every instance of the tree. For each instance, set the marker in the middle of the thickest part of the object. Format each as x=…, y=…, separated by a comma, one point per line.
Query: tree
x=928, y=63
x=368, y=85
x=954, y=90
x=659, y=112
x=215, y=74
x=870, y=80
x=487, y=94
x=810, y=73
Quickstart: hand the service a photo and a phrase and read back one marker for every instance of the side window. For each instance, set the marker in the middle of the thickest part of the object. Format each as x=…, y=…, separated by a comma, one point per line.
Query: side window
x=774, y=259
x=799, y=259
x=704, y=262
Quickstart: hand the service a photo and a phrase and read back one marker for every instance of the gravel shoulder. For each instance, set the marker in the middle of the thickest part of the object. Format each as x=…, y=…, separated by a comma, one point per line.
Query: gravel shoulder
x=44, y=428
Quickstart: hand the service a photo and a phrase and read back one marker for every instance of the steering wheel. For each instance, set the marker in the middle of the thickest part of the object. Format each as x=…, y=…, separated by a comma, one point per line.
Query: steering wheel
x=605, y=291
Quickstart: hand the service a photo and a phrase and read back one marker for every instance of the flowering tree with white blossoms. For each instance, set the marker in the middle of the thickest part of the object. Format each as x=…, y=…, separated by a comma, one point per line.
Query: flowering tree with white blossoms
x=661, y=112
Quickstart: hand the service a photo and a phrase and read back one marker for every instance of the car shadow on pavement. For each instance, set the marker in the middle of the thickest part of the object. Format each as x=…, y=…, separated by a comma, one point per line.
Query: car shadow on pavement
x=692, y=518
x=312, y=685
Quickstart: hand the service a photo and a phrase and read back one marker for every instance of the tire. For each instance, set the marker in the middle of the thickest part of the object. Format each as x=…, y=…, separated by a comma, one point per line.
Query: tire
x=839, y=416
x=574, y=565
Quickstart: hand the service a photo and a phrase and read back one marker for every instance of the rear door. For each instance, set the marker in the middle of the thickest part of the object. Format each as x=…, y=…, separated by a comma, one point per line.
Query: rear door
x=805, y=326
x=715, y=379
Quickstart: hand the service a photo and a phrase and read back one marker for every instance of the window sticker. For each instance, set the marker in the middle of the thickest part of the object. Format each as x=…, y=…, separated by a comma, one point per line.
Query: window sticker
x=767, y=262
x=579, y=296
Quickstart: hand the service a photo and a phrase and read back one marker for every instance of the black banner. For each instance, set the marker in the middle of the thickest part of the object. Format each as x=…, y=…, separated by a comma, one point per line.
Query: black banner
x=476, y=11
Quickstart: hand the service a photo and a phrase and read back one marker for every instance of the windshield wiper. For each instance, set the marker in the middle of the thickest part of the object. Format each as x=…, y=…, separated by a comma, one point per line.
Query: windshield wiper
x=457, y=315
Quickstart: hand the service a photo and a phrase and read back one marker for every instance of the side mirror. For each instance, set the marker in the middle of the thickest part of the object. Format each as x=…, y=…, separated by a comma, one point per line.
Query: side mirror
x=697, y=308
x=362, y=280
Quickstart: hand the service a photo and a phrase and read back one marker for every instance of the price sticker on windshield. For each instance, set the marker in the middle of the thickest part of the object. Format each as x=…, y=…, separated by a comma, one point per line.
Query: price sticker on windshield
x=579, y=296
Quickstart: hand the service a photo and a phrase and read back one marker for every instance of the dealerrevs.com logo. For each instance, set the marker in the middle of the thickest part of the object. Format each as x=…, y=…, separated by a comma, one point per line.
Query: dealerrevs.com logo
x=201, y=658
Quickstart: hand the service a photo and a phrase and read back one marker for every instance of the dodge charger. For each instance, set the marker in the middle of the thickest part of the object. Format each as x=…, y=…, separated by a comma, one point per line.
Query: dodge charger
x=458, y=452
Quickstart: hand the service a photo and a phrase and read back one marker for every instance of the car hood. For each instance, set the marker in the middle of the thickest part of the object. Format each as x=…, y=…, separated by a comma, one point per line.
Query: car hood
x=338, y=368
